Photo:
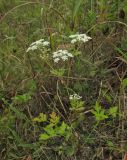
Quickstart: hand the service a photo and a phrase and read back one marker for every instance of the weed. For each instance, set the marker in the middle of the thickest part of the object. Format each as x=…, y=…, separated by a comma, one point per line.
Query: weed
x=66, y=62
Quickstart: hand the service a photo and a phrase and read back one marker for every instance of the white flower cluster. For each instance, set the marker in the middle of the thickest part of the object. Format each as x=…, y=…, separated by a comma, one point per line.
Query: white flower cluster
x=61, y=55
x=38, y=44
x=75, y=97
x=79, y=38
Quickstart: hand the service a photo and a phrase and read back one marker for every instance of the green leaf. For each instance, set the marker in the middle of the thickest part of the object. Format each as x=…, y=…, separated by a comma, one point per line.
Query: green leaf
x=42, y=118
x=110, y=145
x=113, y=111
x=54, y=118
x=108, y=98
x=21, y=98
x=50, y=130
x=99, y=112
x=98, y=107
x=44, y=137
x=124, y=83
x=62, y=128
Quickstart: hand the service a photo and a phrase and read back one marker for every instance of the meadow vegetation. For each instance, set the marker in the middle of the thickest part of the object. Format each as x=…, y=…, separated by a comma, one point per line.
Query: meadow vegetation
x=63, y=80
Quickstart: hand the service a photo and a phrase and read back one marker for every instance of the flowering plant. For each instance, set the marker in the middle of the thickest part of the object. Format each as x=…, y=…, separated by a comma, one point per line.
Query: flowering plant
x=38, y=45
x=79, y=38
x=61, y=55
x=76, y=103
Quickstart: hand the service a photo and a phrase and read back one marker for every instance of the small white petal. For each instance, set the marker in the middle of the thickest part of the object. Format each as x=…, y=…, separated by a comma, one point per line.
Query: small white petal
x=46, y=43
x=56, y=60
x=55, y=55
x=71, y=97
x=64, y=58
x=75, y=97
x=73, y=41
x=79, y=38
x=61, y=54
x=32, y=48
x=38, y=44
x=70, y=55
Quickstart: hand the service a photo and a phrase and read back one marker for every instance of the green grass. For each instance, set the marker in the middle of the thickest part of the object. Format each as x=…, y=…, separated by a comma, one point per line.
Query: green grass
x=90, y=128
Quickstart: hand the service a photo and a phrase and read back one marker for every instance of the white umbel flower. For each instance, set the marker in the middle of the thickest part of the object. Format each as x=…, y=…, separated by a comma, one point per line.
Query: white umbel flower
x=38, y=44
x=31, y=48
x=75, y=97
x=61, y=55
x=46, y=43
x=79, y=38
x=56, y=60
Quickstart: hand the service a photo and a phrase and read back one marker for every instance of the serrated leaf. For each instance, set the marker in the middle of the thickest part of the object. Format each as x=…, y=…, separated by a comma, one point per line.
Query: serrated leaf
x=42, y=118
x=44, y=136
x=54, y=118
x=113, y=111
x=62, y=128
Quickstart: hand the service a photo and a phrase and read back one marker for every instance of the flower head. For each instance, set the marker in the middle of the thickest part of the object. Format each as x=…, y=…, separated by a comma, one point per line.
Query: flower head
x=38, y=44
x=79, y=38
x=45, y=43
x=61, y=55
x=75, y=97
